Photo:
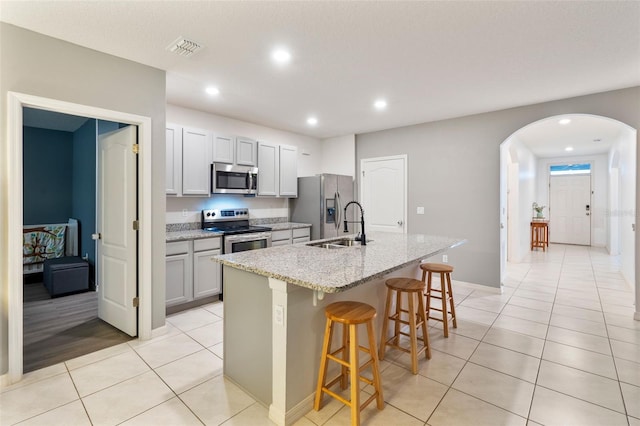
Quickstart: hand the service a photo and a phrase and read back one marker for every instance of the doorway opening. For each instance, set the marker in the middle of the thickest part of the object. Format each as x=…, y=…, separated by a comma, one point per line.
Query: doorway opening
x=16, y=103
x=61, y=319
x=582, y=168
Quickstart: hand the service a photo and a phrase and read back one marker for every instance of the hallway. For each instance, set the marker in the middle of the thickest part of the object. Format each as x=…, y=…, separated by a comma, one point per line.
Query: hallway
x=559, y=346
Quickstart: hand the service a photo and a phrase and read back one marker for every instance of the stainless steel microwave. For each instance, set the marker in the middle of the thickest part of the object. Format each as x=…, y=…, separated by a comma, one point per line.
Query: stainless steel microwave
x=232, y=179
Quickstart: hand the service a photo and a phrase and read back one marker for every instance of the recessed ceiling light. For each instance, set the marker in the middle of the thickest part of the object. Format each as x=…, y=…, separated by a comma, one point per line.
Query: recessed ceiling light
x=212, y=91
x=565, y=121
x=569, y=148
x=312, y=121
x=380, y=104
x=281, y=56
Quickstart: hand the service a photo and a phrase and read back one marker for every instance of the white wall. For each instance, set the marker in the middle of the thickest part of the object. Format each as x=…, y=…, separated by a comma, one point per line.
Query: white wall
x=187, y=209
x=624, y=151
x=599, y=186
x=526, y=190
x=339, y=155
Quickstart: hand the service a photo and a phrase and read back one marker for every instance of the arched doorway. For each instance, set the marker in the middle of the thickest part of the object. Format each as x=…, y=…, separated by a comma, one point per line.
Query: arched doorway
x=608, y=145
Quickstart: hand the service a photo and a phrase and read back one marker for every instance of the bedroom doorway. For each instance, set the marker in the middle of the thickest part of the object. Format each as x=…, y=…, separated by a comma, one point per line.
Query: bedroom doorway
x=64, y=166
x=141, y=304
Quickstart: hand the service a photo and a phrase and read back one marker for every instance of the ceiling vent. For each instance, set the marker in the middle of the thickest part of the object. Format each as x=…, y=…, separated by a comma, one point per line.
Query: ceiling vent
x=184, y=47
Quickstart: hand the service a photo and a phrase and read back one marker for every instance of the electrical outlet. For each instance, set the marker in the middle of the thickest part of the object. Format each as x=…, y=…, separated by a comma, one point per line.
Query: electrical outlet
x=184, y=212
x=420, y=210
x=445, y=258
x=278, y=315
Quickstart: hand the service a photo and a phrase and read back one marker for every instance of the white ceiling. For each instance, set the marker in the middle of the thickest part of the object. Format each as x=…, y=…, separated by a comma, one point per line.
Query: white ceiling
x=429, y=60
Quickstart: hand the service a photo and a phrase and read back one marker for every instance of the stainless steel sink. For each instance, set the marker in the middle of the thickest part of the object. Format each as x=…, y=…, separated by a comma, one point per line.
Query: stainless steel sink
x=337, y=244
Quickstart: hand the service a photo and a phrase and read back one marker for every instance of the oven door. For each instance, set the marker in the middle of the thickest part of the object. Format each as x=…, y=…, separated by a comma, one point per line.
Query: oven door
x=244, y=242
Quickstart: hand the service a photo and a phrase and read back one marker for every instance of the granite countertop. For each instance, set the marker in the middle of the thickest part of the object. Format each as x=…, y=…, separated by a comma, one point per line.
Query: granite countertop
x=336, y=270
x=195, y=234
x=287, y=225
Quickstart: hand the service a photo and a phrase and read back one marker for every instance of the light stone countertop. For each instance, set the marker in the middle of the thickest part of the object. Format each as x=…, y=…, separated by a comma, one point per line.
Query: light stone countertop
x=286, y=225
x=336, y=270
x=195, y=234
x=192, y=234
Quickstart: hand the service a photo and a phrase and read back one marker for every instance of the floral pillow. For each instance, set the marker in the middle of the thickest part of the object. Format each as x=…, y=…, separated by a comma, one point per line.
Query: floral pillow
x=45, y=242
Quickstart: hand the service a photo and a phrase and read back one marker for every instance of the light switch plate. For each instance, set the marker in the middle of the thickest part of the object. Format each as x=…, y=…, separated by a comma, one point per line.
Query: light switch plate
x=420, y=210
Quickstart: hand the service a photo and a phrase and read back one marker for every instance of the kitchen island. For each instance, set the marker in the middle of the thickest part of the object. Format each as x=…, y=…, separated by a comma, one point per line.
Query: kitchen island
x=274, y=308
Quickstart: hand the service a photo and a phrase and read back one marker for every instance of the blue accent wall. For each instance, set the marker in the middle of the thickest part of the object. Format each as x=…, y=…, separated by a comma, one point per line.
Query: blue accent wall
x=47, y=162
x=84, y=187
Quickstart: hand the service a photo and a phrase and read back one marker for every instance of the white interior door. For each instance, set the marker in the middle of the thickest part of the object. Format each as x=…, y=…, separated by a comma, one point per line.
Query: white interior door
x=117, y=252
x=570, y=209
x=384, y=193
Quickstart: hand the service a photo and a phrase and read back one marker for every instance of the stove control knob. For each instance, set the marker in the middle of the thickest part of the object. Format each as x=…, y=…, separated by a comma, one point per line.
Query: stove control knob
x=208, y=214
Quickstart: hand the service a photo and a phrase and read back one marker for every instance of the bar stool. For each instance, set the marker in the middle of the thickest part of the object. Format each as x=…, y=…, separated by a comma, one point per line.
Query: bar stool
x=444, y=293
x=350, y=315
x=416, y=319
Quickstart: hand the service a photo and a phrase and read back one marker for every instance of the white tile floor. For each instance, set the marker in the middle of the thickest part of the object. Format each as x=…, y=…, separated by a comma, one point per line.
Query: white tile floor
x=559, y=346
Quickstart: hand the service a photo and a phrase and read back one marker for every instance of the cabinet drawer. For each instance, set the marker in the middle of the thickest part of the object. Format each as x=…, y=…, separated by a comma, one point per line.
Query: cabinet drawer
x=206, y=244
x=301, y=240
x=301, y=232
x=178, y=247
x=280, y=243
x=284, y=234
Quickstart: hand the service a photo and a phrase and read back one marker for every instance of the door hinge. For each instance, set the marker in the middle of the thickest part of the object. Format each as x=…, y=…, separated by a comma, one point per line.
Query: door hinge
x=363, y=173
x=136, y=148
x=136, y=225
x=136, y=302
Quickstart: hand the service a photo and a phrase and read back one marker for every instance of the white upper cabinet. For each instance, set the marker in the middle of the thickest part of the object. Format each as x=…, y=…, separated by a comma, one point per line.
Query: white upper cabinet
x=174, y=160
x=196, y=161
x=277, y=170
x=246, y=152
x=268, y=166
x=288, y=171
x=223, y=149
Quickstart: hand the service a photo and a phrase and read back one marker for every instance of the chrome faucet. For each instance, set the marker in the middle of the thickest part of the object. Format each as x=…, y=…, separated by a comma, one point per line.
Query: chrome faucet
x=363, y=236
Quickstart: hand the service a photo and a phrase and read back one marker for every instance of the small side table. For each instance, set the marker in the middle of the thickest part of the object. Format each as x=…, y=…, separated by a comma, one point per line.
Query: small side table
x=540, y=234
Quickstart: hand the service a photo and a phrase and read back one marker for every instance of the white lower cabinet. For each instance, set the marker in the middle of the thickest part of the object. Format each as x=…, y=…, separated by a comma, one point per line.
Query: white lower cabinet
x=206, y=272
x=190, y=272
x=285, y=237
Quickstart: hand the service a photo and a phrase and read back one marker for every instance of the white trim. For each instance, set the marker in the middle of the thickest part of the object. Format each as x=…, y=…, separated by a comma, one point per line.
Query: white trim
x=299, y=411
x=406, y=189
x=157, y=332
x=16, y=101
x=636, y=316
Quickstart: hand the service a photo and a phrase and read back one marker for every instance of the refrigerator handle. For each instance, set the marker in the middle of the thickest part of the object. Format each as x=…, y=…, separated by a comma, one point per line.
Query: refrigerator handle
x=339, y=210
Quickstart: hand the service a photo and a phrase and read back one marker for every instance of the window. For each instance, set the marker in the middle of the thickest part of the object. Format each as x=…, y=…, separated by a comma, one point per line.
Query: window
x=570, y=169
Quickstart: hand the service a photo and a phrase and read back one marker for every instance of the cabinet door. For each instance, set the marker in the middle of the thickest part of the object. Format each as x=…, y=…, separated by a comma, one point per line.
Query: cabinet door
x=246, y=152
x=174, y=160
x=288, y=171
x=268, y=175
x=206, y=274
x=223, y=149
x=178, y=276
x=196, y=154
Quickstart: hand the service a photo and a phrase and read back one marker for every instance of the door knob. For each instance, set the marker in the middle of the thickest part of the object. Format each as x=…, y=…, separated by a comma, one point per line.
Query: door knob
x=96, y=236
x=400, y=222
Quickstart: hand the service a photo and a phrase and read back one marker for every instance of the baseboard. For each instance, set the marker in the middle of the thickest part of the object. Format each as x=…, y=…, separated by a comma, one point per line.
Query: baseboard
x=298, y=412
x=636, y=316
x=4, y=380
x=496, y=290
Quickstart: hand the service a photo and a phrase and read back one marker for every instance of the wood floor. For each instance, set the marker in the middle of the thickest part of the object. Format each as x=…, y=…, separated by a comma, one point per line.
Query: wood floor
x=59, y=329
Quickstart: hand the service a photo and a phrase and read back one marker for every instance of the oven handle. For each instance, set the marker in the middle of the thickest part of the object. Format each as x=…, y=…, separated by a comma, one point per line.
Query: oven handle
x=253, y=236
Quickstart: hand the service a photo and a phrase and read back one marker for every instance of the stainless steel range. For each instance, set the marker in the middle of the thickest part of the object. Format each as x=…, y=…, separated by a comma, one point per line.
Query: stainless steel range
x=238, y=235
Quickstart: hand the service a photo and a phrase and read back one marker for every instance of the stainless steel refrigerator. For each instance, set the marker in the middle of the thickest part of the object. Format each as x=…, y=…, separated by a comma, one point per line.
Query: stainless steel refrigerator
x=321, y=200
